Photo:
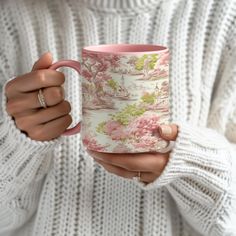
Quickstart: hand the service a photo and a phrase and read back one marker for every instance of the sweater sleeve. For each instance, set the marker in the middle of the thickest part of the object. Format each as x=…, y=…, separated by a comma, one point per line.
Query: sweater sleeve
x=200, y=174
x=23, y=164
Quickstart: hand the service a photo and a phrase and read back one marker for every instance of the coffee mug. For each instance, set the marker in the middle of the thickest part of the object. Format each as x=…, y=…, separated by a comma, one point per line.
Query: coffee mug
x=124, y=97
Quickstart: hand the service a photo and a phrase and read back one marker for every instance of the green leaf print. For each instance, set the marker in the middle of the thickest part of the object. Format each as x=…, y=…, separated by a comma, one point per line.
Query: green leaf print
x=139, y=65
x=128, y=113
x=153, y=61
x=140, y=62
x=101, y=127
x=113, y=84
x=149, y=98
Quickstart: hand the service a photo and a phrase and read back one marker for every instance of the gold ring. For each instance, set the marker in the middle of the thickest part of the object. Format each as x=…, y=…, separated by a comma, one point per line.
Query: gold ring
x=41, y=99
x=137, y=177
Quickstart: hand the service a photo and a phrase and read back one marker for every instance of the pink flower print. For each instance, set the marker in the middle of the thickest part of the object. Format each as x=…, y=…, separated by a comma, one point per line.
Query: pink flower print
x=164, y=59
x=164, y=73
x=164, y=88
x=165, y=110
x=165, y=83
x=87, y=74
x=143, y=131
x=118, y=134
x=143, y=125
x=111, y=126
x=146, y=142
x=115, y=130
x=160, y=72
x=91, y=144
x=114, y=61
x=121, y=148
x=150, y=142
x=103, y=76
x=102, y=67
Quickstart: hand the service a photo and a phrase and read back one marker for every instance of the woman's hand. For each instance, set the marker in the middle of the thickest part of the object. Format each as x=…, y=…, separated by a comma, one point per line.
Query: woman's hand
x=23, y=105
x=150, y=165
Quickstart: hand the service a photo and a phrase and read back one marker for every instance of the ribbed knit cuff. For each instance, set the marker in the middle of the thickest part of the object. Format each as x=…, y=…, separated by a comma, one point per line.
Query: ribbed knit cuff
x=198, y=153
x=21, y=156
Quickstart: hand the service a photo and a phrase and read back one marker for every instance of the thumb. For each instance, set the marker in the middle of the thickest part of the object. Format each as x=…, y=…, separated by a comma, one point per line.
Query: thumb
x=168, y=132
x=43, y=62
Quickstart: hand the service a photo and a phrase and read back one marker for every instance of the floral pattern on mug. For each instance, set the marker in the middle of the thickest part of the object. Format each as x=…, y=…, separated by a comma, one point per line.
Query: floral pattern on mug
x=125, y=99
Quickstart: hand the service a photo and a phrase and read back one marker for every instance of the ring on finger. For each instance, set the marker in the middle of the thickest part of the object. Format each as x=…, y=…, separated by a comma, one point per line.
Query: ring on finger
x=41, y=99
x=137, y=177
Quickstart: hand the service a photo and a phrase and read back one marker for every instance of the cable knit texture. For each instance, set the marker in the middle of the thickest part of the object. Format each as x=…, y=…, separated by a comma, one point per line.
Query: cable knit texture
x=55, y=188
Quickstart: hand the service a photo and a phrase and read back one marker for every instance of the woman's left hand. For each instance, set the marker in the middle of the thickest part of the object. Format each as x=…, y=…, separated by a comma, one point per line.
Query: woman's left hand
x=128, y=165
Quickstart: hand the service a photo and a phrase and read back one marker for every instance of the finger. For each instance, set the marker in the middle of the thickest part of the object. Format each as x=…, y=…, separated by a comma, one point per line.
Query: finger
x=44, y=62
x=52, y=96
x=28, y=101
x=34, y=81
x=51, y=129
x=51, y=113
x=146, y=177
x=148, y=162
x=168, y=132
x=42, y=116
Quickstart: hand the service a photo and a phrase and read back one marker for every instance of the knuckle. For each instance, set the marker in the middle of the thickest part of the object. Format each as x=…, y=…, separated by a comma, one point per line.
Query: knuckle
x=66, y=106
x=163, y=161
x=61, y=76
x=57, y=93
x=56, y=77
x=8, y=87
x=68, y=120
x=12, y=106
x=40, y=75
x=36, y=134
x=22, y=123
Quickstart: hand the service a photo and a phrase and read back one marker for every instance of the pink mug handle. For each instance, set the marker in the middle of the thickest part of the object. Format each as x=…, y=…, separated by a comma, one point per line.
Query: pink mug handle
x=77, y=66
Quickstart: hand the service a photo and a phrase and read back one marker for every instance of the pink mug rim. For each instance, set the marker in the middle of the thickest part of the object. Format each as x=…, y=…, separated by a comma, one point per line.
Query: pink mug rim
x=119, y=49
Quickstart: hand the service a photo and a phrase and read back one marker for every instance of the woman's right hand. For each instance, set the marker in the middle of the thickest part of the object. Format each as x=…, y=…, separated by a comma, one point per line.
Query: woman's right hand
x=42, y=124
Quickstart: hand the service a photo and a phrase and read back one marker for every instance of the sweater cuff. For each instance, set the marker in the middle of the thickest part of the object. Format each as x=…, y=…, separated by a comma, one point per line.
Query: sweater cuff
x=196, y=154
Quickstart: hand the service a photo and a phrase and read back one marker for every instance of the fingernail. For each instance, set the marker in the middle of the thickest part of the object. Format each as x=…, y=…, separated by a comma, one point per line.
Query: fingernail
x=165, y=130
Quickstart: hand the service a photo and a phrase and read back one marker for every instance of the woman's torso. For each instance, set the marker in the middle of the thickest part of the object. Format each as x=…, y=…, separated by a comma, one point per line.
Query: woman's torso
x=78, y=197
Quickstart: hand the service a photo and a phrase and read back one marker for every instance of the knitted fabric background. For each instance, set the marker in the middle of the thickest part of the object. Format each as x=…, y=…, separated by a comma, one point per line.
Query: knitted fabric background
x=55, y=188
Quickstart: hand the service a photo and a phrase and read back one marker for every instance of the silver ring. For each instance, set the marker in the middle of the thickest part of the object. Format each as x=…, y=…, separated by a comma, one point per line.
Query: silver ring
x=41, y=99
x=138, y=177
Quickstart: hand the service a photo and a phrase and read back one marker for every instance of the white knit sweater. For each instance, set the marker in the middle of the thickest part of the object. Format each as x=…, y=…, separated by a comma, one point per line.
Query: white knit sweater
x=55, y=188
